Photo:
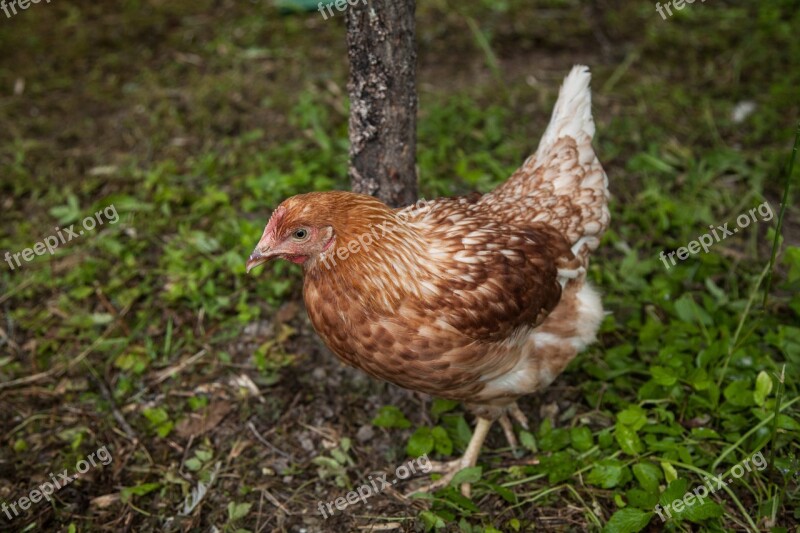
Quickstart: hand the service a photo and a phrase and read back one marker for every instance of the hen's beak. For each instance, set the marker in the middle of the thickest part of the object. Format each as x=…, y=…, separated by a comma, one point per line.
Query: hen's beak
x=258, y=257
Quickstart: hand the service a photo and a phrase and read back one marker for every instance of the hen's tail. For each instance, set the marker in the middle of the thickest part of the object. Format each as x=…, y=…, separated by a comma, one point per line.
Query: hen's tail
x=572, y=114
x=563, y=183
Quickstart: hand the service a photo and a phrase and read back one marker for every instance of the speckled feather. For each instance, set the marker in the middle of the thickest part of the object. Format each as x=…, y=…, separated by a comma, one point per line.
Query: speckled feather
x=480, y=298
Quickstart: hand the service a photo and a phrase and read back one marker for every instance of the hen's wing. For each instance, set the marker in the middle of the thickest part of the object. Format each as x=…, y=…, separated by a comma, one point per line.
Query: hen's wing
x=489, y=277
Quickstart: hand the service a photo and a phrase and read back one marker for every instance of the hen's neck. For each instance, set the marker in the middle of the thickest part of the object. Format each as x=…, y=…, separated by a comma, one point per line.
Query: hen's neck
x=379, y=257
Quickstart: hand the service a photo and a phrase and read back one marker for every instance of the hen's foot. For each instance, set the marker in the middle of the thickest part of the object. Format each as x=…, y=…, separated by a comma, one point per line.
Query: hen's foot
x=469, y=459
x=439, y=467
x=447, y=469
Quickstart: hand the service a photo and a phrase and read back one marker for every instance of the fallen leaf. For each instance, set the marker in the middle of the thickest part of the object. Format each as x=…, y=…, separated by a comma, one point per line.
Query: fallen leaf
x=199, y=423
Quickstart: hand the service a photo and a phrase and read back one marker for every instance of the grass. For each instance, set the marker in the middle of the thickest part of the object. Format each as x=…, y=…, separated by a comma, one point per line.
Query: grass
x=215, y=398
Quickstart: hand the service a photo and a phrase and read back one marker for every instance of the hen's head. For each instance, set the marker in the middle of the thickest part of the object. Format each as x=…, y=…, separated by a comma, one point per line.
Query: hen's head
x=304, y=226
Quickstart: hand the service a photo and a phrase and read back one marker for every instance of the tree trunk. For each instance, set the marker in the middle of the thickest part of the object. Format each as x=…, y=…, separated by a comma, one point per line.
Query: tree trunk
x=383, y=100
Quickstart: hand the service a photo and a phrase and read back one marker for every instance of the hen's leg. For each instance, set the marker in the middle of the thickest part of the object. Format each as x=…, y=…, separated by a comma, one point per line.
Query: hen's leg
x=474, y=450
x=517, y=414
x=508, y=429
x=469, y=459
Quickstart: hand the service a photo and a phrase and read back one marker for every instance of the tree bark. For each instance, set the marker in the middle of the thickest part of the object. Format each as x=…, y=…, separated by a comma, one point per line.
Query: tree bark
x=383, y=99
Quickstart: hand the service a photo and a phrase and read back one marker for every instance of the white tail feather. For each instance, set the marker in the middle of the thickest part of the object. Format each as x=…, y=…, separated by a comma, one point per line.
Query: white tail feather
x=572, y=115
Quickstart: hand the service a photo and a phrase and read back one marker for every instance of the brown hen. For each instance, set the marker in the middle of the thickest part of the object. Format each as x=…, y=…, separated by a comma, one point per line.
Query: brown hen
x=480, y=299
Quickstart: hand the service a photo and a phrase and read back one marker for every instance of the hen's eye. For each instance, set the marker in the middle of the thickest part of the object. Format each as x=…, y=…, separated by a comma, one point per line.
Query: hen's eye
x=300, y=234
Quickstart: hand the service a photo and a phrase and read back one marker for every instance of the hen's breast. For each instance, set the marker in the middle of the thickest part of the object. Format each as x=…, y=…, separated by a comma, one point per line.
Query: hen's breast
x=410, y=347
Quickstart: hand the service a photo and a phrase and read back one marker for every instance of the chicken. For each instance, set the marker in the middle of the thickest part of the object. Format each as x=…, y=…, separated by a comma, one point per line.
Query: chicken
x=480, y=299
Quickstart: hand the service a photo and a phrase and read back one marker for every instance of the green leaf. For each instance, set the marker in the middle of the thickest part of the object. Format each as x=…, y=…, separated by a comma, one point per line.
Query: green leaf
x=739, y=394
x=606, y=474
x=763, y=388
x=528, y=441
x=339, y=456
x=441, y=406
x=628, y=520
x=619, y=501
x=675, y=490
x=558, y=466
x=663, y=376
x=458, y=429
x=442, y=442
x=605, y=439
x=670, y=474
x=700, y=380
x=156, y=415
x=159, y=420
x=204, y=455
x=194, y=464
x=422, y=496
x=680, y=504
x=467, y=475
x=552, y=439
x=164, y=429
x=431, y=520
x=507, y=494
x=581, y=438
x=688, y=311
x=327, y=462
x=67, y=213
x=390, y=416
x=634, y=416
x=454, y=496
x=237, y=511
x=702, y=510
x=139, y=490
x=135, y=362
x=197, y=402
x=648, y=475
x=420, y=443
x=642, y=499
x=705, y=433
x=627, y=439
x=788, y=423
